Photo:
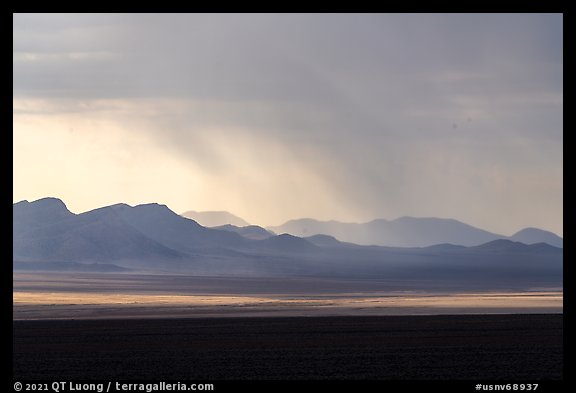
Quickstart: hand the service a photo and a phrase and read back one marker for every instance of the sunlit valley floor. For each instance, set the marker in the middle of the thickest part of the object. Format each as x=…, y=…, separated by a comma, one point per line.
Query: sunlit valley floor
x=82, y=295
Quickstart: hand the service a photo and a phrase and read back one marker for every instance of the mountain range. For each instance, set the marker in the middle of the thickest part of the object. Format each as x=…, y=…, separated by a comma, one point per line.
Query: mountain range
x=401, y=232
x=152, y=238
x=410, y=232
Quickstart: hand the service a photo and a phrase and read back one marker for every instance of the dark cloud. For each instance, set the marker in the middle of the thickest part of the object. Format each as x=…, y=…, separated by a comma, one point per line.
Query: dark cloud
x=368, y=102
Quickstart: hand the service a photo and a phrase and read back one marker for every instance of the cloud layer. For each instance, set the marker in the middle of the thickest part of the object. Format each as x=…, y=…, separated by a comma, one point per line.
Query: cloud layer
x=273, y=117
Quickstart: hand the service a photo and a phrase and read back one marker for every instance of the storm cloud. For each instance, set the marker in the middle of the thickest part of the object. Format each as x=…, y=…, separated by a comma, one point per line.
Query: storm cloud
x=279, y=116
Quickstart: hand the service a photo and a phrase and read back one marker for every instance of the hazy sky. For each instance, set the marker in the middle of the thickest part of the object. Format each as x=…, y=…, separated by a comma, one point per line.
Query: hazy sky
x=272, y=117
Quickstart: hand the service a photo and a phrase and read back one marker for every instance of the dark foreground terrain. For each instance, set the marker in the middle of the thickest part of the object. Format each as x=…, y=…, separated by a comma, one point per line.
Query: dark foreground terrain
x=481, y=347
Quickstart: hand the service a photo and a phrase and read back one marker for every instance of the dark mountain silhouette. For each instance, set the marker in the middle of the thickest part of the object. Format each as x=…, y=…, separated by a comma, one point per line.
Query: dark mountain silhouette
x=502, y=245
x=253, y=232
x=286, y=243
x=409, y=232
x=46, y=211
x=95, y=236
x=509, y=246
x=535, y=235
x=153, y=238
x=215, y=218
x=324, y=241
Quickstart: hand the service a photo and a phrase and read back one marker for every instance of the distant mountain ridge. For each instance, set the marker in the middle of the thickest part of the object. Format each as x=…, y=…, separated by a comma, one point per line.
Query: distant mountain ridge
x=410, y=232
x=215, y=218
x=535, y=235
x=253, y=232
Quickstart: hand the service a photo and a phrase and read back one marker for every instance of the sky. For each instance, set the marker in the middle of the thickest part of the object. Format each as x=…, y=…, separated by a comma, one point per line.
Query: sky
x=272, y=117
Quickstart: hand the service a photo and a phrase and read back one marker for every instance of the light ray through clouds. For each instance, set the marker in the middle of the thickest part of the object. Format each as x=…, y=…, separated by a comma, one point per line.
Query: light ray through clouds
x=274, y=117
